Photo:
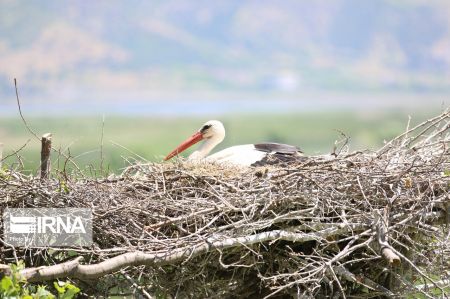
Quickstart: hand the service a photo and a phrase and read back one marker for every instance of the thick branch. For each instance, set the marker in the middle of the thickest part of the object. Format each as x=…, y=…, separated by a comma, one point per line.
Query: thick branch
x=86, y=272
x=382, y=230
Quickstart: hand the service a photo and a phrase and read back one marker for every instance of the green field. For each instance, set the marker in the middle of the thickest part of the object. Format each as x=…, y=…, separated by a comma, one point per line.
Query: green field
x=152, y=138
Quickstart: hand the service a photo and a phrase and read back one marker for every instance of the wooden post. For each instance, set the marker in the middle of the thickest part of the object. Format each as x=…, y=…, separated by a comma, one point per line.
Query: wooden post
x=45, y=155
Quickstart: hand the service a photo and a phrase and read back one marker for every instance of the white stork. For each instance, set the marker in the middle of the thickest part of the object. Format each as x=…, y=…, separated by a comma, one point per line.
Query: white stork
x=212, y=133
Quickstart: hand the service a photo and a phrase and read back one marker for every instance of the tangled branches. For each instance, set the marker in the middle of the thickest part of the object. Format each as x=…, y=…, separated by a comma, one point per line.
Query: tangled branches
x=361, y=224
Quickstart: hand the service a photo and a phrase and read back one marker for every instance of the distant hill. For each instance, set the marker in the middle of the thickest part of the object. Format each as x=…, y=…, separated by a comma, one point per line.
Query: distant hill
x=75, y=50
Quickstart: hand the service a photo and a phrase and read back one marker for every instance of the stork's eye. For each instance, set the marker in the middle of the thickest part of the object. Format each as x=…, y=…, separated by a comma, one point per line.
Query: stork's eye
x=204, y=128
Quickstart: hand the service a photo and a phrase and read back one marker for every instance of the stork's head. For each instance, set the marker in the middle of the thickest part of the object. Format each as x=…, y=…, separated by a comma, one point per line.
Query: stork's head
x=211, y=130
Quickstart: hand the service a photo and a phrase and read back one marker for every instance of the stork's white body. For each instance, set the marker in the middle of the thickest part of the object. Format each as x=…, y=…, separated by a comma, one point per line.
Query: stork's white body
x=243, y=155
x=213, y=133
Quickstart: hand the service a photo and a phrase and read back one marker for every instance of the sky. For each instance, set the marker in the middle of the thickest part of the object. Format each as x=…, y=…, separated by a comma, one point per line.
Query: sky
x=198, y=57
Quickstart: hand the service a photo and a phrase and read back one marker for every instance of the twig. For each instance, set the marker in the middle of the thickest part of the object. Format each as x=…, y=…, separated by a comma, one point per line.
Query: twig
x=342, y=271
x=1, y=154
x=137, y=286
x=16, y=151
x=21, y=115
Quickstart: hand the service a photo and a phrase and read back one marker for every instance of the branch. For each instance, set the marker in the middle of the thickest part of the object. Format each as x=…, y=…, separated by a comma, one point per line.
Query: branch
x=382, y=223
x=344, y=272
x=86, y=272
x=20, y=112
x=15, y=152
x=137, y=286
x=1, y=154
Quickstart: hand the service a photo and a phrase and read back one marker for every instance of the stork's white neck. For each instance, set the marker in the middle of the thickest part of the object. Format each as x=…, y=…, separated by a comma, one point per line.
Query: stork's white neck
x=206, y=147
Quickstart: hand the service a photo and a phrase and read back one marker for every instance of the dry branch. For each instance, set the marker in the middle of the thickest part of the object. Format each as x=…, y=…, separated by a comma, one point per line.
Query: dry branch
x=1, y=154
x=326, y=227
x=382, y=232
x=75, y=270
x=363, y=281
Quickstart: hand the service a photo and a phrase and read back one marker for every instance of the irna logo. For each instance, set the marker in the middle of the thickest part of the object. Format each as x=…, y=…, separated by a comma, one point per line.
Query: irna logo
x=48, y=227
x=46, y=224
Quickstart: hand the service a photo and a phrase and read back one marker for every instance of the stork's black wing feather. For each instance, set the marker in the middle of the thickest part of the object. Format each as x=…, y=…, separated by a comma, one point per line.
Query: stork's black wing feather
x=278, y=153
x=279, y=148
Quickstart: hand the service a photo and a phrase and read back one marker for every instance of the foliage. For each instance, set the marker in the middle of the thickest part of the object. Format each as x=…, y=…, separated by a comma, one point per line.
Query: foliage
x=14, y=286
x=66, y=290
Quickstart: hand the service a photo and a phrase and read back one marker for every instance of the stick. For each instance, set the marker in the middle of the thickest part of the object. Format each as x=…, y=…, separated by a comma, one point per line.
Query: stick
x=342, y=271
x=382, y=230
x=1, y=154
x=136, y=285
x=15, y=152
x=20, y=112
x=45, y=155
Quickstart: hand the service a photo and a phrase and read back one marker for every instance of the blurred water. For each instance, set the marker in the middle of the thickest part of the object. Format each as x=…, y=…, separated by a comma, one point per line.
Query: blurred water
x=173, y=108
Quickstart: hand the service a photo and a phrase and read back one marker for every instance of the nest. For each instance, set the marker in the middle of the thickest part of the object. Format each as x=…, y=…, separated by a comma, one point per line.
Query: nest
x=360, y=225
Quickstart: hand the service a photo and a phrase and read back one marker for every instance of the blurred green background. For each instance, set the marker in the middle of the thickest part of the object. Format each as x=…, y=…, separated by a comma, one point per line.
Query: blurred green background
x=145, y=138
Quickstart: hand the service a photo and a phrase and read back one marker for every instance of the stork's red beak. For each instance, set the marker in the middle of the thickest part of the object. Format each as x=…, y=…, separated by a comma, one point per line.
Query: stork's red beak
x=185, y=145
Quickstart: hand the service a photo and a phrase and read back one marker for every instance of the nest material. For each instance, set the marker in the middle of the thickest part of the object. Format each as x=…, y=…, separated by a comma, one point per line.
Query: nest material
x=361, y=224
